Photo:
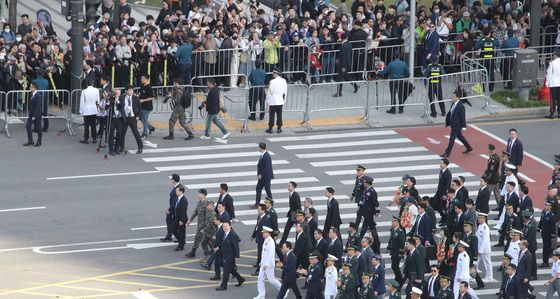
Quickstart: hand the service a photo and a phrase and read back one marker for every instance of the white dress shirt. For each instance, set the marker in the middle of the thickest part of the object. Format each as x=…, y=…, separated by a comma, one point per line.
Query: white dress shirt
x=89, y=100
x=277, y=92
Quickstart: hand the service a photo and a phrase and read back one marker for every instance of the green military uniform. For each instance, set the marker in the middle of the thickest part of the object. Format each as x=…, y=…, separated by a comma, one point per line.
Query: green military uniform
x=446, y=293
x=395, y=247
x=178, y=114
x=353, y=261
x=347, y=287
x=273, y=221
x=209, y=233
x=366, y=292
x=492, y=170
x=200, y=214
x=395, y=295
x=353, y=240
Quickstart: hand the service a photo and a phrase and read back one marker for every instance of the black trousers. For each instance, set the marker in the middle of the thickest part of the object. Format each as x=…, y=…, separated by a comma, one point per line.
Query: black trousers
x=169, y=223
x=180, y=233
x=342, y=77
x=287, y=228
x=434, y=89
x=115, y=137
x=506, y=73
x=230, y=268
x=288, y=284
x=547, y=249
x=395, y=87
x=275, y=110
x=369, y=224
x=554, y=99
x=36, y=127
x=456, y=133
x=257, y=95
x=131, y=123
x=396, y=267
x=359, y=216
x=489, y=64
x=89, y=123
x=314, y=292
x=102, y=127
x=263, y=183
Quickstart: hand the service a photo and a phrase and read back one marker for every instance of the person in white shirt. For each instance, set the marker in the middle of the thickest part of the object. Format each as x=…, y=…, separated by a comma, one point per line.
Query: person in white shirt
x=483, y=236
x=553, y=82
x=276, y=98
x=553, y=283
x=410, y=212
x=462, y=272
x=331, y=276
x=510, y=177
x=513, y=248
x=89, y=101
x=267, y=264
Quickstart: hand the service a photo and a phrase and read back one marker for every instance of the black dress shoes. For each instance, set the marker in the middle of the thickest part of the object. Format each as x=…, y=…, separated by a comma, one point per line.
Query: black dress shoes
x=37, y=144
x=468, y=151
x=165, y=239
x=205, y=266
x=28, y=143
x=240, y=282
x=139, y=151
x=269, y=131
x=178, y=248
x=84, y=141
x=215, y=278
x=221, y=289
x=444, y=155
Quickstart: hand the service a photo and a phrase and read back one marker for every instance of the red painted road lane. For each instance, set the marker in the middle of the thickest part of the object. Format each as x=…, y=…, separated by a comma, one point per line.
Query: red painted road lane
x=433, y=138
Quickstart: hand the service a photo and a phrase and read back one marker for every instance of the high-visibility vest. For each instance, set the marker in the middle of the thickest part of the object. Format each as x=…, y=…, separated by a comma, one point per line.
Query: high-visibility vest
x=488, y=47
x=434, y=72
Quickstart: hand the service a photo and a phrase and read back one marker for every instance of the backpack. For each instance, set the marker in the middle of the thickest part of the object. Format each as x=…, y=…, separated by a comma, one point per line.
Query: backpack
x=186, y=99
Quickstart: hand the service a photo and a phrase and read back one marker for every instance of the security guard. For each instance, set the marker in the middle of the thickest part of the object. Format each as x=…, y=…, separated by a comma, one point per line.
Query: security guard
x=433, y=73
x=346, y=284
x=487, y=44
x=370, y=208
x=365, y=291
x=358, y=192
x=352, y=259
x=395, y=247
x=530, y=234
x=445, y=291
x=393, y=287
x=547, y=228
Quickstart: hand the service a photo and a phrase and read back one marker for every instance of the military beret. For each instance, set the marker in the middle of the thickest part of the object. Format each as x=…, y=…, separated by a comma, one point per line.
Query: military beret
x=504, y=153
x=368, y=179
x=526, y=213
x=393, y=283
x=491, y=147
x=360, y=167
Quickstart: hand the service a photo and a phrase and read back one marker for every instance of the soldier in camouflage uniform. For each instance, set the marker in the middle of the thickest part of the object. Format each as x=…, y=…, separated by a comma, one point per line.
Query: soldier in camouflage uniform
x=200, y=212
x=175, y=98
x=365, y=291
x=209, y=231
x=358, y=192
x=346, y=284
x=445, y=291
x=393, y=289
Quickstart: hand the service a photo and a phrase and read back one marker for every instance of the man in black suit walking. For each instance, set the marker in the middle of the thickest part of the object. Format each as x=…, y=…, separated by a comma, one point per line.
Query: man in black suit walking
x=131, y=108
x=444, y=183
x=35, y=107
x=413, y=266
x=512, y=287
x=228, y=252
x=289, y=272
x=515, y=149
x=227, y=200
x=295, y=206
x=483, y=197
x=169, y=212
x=333, y=213
x=264, y=174
x=262, y=220
x=456, y=120
x=180, y=217
x=344, y=65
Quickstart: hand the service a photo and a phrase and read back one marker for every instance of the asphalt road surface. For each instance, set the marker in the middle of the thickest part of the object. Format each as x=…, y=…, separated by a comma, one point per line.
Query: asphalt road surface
x=73, y=225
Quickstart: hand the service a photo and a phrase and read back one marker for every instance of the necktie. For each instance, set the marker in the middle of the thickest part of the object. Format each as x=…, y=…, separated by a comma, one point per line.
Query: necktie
x=453, y=109
x=225, y=236
x=430, y=286
x=507, y=197
x=129, y=104
x=510, y=145
x=176, y=204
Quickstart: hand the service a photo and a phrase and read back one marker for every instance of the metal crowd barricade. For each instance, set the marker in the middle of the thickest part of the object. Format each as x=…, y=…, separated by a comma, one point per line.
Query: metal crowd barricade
x=549, y=35
x=380, y=55
x=235, y=104
x=393, y=93
x=321, y=98
x=294, y=63
x=4, y=110
x=16, y=106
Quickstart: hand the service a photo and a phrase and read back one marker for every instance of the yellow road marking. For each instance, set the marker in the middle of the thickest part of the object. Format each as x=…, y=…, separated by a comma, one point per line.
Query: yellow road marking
x=90, y=289
x=168, y=277
x=42, y=294
x=189, y=269
x=133, y=283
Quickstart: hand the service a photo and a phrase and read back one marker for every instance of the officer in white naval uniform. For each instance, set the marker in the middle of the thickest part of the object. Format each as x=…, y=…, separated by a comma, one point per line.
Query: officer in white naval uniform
x=483, y=236
x=462, y=270
x=331, y=276
x=267, y=264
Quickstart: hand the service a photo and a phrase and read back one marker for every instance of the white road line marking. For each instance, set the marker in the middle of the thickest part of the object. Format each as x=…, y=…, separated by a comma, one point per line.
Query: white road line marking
x=363, y=152
x=253, y=182
x=406, y=169
x=22, y=209
x=346, y=144
x=456, y=140
x=218, y=165
x=399, y=179
x=203, y=157
x=230, y=175
x=484, y=156
x=101, y=175
x=375, y=160
x=148, y=227
x=200, y=148
x=505, y=143
x=143, y=295
x=337, y=135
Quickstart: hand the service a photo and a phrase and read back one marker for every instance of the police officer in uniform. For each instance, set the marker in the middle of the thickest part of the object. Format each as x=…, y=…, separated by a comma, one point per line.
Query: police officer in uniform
x=432, y=72
x=547, y=228
x=365, y=291
x=445, y=291
x=395, y=247
x=346, y=284
x=487, y=44
x=370, y=208
x=358, y=192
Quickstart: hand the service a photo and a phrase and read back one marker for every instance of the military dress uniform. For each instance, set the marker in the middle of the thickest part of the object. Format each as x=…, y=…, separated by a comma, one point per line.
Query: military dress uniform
x=369, y=209
x=353, y=262
x=433, y=73
x=347, y=287
x=396, y=249
x=366, y=291
x=547, y=228
x=314, y=281
x=357, y=194
x=530, y=234
x=274, y=225
x=445, y=293
x=353, y=239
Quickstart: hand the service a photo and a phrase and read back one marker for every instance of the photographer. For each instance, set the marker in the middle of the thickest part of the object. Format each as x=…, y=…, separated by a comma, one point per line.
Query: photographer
x=176, y=102
x=213, y=106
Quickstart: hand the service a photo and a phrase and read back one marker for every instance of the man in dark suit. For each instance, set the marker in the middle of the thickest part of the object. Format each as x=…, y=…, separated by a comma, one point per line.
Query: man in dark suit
x=526, y=203
x=131, y=109
x=344, y=65
x=227, y=200
x=413, y=266
x=35, y=107
x=262, y=220
x=333, y=213
x=432, y=285
x=463, y=290
x=320, y=245
x=264, y=174
x=295, y=206
x=335, y=247
x=512, y=199
x=222, y=213
x=229, y=251
x=512, y=286
x=302, y=246
x=364, y=261
x=423, y=224
x=515, y=149
x=444, y=183
x=214, y=257
x=180, y=217
x=456, y=120
x=525, y=268
x=378, y=276
x=170, y=212
x=289, y=267
x=431, y=45
x=483, y=197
